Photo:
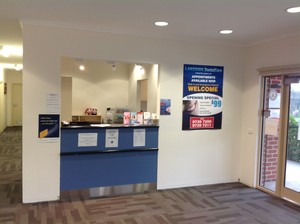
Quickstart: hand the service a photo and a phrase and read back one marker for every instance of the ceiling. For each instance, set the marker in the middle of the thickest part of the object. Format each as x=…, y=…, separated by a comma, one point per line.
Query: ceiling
x=252, y=21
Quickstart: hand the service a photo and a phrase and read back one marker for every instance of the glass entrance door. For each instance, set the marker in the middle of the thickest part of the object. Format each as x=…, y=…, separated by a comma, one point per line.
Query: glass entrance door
x=291, y=171
x=280, y=137
x=270, y=133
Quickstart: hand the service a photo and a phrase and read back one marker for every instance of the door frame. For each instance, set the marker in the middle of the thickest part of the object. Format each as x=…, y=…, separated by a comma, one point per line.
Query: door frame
x=286, y=192
x=13, y=96
x=280, y=190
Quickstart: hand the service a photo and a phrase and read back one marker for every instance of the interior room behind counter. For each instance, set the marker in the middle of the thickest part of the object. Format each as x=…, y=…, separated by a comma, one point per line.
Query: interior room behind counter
x=107, y=84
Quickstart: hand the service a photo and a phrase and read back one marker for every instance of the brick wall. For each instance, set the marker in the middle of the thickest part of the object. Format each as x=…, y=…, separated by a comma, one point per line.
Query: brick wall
x=270, y=154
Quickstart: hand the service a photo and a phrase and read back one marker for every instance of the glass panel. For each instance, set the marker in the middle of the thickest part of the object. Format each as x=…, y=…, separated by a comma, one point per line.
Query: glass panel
x=292, y=172
x=270, y=139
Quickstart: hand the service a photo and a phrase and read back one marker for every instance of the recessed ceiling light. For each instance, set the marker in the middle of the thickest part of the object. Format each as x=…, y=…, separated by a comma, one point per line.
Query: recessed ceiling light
x=81, y=67
x=7, y=51
x=293, y=10
x=226, y=31
x=161, y=23
x=17, y=67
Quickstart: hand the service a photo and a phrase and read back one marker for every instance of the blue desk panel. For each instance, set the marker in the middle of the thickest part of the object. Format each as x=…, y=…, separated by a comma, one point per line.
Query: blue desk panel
x=97, y=166
x=108, y=169
x=69, y=139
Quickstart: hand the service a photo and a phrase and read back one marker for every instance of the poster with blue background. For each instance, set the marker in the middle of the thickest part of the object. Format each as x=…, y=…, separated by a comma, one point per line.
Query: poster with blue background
x=165, y=106
x=202, y=97
x=48, y=126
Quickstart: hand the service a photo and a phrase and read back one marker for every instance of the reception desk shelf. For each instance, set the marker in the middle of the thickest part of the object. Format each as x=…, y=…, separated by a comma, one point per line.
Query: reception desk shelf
x=87, y=118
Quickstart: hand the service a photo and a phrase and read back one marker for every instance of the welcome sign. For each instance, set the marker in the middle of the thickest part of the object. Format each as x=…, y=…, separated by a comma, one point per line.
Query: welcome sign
x=202, y=97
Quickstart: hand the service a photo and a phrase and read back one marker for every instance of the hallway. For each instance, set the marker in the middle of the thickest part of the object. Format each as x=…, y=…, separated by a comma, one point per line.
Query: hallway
x=11, y=166
x=215, y=204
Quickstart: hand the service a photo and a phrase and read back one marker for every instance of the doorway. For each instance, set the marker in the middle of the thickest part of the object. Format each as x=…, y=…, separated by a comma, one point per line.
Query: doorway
x=280, y=137
x=142, y=94
x=16, y=104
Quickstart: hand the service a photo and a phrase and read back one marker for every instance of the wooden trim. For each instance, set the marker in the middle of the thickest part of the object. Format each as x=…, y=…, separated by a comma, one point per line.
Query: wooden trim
x=279, y=70
x=285, y=192
x=87, y=118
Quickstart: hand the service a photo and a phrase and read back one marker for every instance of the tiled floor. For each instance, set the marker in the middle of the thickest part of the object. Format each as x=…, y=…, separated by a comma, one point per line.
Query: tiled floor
x=214, y=204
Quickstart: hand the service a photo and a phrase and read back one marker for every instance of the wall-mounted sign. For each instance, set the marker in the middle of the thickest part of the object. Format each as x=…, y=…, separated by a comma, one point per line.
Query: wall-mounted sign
x=48, y=126
x=53, y=103
x=202, y=97
x=165, y=106
x=87, y=139
x=111, y=138
x=139, y=137
x=273, y=94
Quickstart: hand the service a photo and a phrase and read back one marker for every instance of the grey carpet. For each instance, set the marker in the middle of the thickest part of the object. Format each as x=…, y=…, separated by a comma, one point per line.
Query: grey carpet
x=214, y=204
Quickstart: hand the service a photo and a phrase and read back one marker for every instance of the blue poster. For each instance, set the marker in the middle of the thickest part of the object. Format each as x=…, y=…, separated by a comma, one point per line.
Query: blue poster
x=165, y=106
x=202, y=97
x=48, y=126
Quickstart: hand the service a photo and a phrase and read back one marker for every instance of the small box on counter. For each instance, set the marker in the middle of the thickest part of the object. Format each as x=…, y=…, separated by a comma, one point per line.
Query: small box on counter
x=147, y=117
x=126, y=118
x=140, y=117
x=133, y=118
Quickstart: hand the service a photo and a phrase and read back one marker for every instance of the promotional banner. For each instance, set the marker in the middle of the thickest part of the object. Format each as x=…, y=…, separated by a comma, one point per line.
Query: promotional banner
x=202, y=97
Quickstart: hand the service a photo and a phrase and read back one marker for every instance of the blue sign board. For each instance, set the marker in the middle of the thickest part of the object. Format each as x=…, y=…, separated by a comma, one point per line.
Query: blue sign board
x=165, y=106
x=48, y=126
x=202, y=97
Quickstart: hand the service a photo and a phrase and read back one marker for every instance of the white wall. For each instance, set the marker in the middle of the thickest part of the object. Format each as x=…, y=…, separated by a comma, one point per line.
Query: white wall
x=152, y=86
x=66, y=99
x=276, y=53
x=139, y=91
x=134, y=77
x=41, y=76
x=186, y=158
x=98, y=86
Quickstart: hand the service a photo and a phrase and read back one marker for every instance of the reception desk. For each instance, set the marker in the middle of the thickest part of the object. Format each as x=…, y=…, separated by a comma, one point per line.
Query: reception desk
x=101, y=156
